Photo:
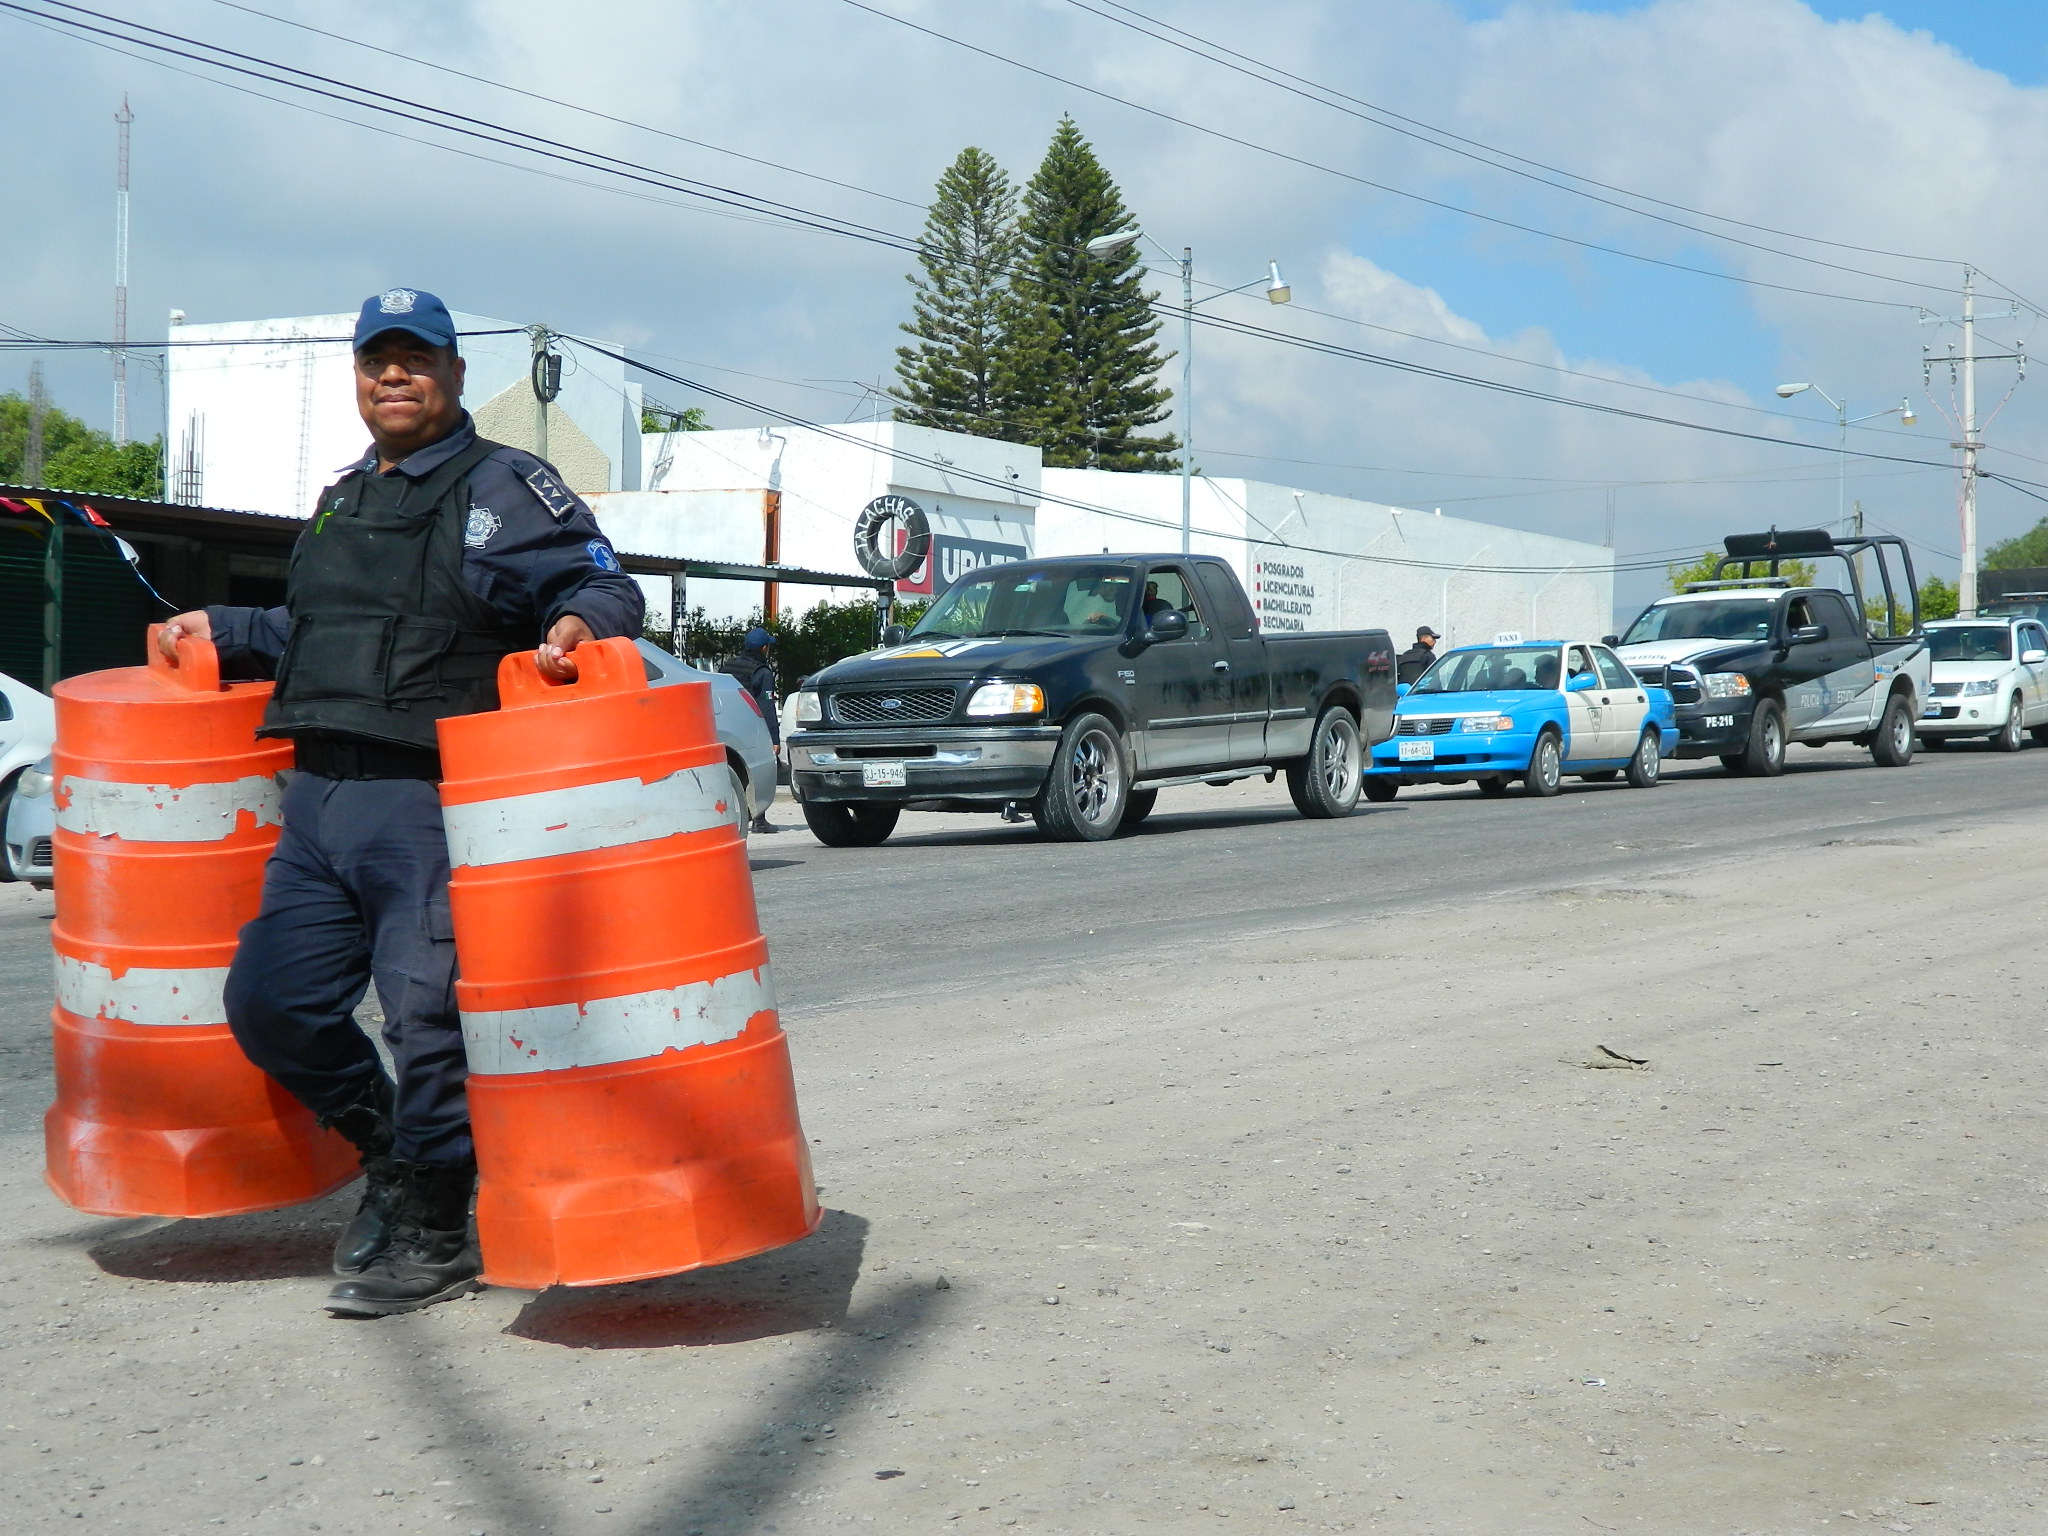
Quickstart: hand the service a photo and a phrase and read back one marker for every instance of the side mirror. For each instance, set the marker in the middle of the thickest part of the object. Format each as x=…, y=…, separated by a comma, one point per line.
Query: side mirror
x=1807, y=634
x=1401, y=690
x=1610, y=639
x=1170, y=625
x=2032, y=657
x=894, y=634
x=1580, y=682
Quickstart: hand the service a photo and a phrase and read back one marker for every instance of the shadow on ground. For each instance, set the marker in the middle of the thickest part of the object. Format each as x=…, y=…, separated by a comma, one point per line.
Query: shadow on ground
x=789, y=1290
x=290, y=1244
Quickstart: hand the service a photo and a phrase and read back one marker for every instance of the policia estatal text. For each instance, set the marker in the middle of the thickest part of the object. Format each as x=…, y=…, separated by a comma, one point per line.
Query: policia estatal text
x=420, y=568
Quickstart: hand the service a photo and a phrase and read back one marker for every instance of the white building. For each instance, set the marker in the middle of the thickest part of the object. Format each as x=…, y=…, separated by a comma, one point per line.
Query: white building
x=261, y=418
x=1310, y=561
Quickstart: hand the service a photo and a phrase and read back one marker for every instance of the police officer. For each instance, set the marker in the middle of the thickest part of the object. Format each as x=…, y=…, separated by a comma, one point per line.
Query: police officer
x=756, y=673
x=420, y=568
x=1415, y=661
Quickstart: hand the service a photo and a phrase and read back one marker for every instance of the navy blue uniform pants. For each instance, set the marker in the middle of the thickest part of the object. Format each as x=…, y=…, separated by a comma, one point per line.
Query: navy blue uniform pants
x=356, y=891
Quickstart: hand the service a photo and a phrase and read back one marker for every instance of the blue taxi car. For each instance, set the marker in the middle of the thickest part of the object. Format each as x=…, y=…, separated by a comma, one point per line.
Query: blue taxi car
x=1532, y=710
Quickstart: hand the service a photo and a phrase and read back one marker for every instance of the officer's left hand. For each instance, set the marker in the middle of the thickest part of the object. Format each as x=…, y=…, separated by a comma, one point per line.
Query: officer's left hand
x=553, y=658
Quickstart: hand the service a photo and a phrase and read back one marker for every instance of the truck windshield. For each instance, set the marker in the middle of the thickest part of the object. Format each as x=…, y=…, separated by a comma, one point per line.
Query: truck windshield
x=1501, y=669
x=1046, y=600
x=1720, y=618
x=1970, y=642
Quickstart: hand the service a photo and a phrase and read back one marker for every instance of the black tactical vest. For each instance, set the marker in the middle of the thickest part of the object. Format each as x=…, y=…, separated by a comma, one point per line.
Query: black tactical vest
x=385, y=636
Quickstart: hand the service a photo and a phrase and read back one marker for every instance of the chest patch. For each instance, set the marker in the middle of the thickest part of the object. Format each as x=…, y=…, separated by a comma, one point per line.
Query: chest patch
x=482, y=527
x=554, y=495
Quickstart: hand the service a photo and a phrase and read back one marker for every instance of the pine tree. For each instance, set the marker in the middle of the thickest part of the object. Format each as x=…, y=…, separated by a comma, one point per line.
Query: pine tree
x=1080, y=364
x=951, y=377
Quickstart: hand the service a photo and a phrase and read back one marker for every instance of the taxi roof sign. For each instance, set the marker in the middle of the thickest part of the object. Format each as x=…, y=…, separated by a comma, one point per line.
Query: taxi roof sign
x=1508, y=637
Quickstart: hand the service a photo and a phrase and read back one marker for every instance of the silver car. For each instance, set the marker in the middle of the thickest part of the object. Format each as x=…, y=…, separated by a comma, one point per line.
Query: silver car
x=749, y=753
x=31, y=823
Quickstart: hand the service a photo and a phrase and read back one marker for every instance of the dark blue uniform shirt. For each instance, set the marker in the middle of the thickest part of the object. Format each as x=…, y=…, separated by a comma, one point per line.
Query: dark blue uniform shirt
x=531, y=549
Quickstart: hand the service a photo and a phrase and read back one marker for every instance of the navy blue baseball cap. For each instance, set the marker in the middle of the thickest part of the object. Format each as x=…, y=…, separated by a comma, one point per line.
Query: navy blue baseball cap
x=411, y=310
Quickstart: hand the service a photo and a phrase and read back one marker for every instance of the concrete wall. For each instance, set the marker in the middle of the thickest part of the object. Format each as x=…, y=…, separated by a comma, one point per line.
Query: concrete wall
x=272, y=419
x=1312, y=561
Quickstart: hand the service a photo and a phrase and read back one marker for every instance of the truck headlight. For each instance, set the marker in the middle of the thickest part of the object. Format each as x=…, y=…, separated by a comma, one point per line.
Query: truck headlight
x=33, y=784
x=1725, y=685
x=1477, y=723
x=809, y=711
x=1007, y=699
x=1982, y=686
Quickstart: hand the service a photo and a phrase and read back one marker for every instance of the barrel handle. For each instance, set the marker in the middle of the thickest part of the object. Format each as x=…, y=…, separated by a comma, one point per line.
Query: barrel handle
x=197, y=668
x=602, y=666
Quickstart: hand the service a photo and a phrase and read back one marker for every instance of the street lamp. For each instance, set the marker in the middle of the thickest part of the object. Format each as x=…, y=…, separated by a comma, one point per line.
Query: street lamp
x=1843, y=422
x=1277, y=292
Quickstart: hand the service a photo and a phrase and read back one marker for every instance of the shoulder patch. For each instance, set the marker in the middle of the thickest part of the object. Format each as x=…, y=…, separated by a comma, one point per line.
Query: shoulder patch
x=554, y=495
x=482, y=527
x=601, y=555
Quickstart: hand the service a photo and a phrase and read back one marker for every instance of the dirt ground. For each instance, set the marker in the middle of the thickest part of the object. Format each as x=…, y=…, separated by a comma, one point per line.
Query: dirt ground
x=1341, y=1229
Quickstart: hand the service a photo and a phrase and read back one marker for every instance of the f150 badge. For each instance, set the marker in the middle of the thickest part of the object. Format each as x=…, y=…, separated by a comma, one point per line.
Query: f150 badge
x=1129, y=677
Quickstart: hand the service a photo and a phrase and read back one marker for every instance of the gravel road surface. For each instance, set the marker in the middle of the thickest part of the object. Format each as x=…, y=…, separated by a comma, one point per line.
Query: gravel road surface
x=1248, y=1171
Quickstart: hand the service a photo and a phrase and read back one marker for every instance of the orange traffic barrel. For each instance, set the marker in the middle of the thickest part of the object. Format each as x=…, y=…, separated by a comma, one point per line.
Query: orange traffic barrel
x=167, y=807
x=630, y=1089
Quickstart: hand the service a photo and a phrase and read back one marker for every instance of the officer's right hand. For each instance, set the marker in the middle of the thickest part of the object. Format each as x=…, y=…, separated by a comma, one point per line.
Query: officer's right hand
x=196, y=624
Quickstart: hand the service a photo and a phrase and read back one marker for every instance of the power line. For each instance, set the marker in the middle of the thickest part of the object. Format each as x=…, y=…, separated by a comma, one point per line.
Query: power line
x=556, y=101
x=1494, y=149
x=1366, y=181
x=1422, y=133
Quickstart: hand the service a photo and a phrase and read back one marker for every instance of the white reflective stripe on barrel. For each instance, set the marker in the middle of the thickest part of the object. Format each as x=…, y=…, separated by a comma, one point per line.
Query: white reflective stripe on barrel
x=613, y=1029
x=157, y=813
x=142, y=996
x=588, y=816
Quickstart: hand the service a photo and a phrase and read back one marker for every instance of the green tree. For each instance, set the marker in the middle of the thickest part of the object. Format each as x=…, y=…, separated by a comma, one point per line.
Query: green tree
x=1799, y=573
x=77, y=457
x=955, y=374
x=656, y=417
x=810, y=642
x=1080, y=357
x=2029, y=548
x=1937, y=599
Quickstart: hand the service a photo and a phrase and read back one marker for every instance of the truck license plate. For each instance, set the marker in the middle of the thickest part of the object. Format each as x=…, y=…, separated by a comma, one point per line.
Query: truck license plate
x=881, y=776
x=1418, y=751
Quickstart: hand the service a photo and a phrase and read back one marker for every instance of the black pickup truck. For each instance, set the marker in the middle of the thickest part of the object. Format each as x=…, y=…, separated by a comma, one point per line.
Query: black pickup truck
x=1078, y=689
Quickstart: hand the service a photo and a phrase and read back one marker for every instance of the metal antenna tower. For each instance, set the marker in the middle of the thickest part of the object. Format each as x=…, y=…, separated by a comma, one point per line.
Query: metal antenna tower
x=122, y=119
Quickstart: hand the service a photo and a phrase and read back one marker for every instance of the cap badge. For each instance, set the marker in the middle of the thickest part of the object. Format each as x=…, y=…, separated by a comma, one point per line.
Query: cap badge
x=397, y=301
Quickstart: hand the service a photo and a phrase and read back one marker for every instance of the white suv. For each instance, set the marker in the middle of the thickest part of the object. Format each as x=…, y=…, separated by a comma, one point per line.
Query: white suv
x=1990, y=678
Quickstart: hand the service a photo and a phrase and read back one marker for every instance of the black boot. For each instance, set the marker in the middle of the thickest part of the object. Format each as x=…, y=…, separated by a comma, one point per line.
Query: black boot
x=367, y=1123
x=430, y=1256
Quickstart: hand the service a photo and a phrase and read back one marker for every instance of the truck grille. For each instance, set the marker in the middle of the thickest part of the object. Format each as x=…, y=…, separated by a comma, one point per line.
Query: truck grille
x=1683, y=682
x=893, y=706
x=1412, y=727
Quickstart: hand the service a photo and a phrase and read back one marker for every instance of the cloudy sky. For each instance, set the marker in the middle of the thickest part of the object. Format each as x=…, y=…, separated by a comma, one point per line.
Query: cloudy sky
x=1719, y=196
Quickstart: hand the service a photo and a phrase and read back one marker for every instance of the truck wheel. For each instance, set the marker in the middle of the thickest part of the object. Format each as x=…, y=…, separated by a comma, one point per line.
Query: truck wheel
x=1084, y=795
x=840, y=825
x=1493, y=785
x=1765, y=758
x=1325, y=784
x=1380, y=790
x=1137, y=806
x=2009, y=737
x=1647, y=766
x=1892, y=747
x=1546, y=767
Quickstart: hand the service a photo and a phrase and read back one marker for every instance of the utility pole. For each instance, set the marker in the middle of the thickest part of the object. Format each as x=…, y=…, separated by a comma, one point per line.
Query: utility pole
x=1971, y=441
x=122, y=119
x=546, y=378
x=1187, y=397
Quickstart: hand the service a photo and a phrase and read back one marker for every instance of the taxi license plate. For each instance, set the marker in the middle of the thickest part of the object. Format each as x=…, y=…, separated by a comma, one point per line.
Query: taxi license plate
x=1418, y=751
x=881, y=776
